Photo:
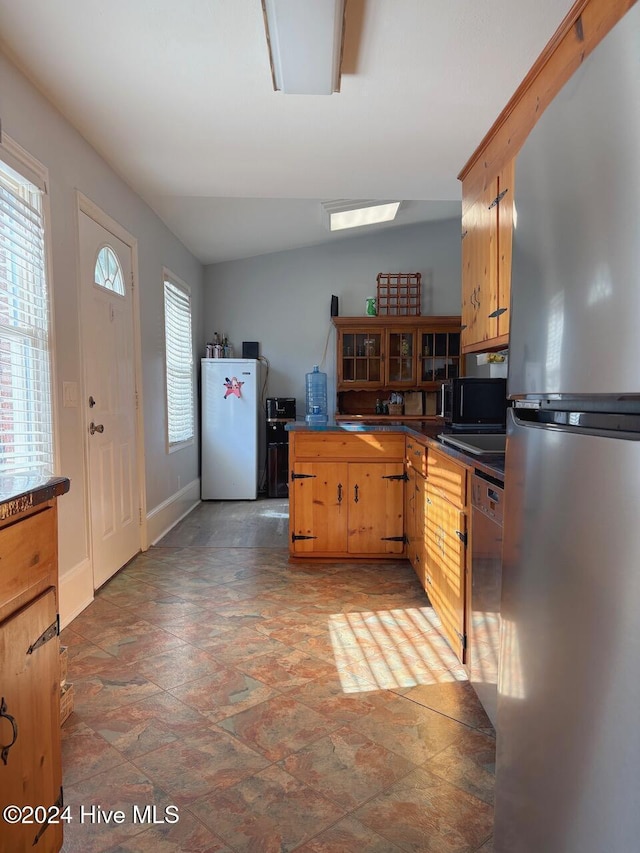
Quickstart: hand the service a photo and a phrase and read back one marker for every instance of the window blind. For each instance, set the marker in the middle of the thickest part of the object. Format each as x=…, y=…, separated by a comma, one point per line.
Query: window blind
x=179, y=363
x=26, y=431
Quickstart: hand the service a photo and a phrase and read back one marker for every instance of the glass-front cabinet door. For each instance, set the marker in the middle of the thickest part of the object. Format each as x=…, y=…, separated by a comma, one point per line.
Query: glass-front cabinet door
x=401, y=356
x=438, y=356
x=361, y=357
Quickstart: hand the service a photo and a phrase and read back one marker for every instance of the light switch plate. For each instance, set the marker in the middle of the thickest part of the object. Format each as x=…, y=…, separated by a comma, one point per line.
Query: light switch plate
x=70, y=395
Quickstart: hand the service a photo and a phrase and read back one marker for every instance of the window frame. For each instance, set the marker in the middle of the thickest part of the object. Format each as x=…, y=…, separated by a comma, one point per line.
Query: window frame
x=169, y=278
x=31, y=170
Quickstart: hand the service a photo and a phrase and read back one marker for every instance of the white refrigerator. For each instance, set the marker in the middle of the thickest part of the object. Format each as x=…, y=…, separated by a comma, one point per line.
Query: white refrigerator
x=230, y=401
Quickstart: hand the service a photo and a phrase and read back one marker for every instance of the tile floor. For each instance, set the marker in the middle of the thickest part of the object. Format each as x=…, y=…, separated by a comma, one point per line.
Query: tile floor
x=277, y=706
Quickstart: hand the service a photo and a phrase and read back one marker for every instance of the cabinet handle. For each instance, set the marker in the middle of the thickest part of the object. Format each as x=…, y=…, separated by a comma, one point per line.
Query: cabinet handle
x=4, y=750
x=339, y=493
x=355, y=493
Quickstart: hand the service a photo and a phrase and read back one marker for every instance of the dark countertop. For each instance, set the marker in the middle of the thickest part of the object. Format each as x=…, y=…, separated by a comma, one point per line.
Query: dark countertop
x=21, y=492
x=491, y=464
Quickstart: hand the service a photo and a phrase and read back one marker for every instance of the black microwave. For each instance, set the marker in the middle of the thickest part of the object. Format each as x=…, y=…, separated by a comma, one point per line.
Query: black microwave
x=471, y=404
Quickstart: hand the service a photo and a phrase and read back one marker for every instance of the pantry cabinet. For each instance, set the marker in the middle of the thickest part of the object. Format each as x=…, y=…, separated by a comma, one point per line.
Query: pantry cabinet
x=30, y=759
x=346, y=495
x=377, y=356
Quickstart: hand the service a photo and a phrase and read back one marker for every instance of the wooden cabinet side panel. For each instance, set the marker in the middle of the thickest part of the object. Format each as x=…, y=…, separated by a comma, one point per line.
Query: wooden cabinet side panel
x=376, y=523
x=31, y=690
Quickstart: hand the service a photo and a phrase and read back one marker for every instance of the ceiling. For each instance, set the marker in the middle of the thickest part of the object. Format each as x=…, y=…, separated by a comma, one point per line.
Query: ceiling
x=177, y=97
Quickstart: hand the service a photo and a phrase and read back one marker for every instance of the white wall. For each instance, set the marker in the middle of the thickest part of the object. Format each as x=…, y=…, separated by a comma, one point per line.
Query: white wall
x=283, y=300
x=29, y=119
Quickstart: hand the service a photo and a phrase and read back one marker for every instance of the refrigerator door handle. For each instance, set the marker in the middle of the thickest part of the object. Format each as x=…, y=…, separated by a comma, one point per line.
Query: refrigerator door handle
x=603, y=424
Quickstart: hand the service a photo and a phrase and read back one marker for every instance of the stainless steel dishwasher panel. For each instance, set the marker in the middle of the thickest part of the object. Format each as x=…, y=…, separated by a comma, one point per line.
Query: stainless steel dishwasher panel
x=486, y=586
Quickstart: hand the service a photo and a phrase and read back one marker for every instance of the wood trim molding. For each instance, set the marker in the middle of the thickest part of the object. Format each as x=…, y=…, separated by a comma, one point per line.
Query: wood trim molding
x=586, y=24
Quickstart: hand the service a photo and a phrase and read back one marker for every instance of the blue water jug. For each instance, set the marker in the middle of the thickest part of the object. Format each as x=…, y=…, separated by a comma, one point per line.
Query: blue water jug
x=316, y=397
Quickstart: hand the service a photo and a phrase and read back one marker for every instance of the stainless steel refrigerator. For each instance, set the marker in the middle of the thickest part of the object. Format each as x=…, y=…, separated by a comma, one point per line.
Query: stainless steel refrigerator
x=568, y=719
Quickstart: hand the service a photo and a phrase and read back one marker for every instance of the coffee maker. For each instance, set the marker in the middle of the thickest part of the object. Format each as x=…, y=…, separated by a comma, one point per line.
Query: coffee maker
x=279, y=412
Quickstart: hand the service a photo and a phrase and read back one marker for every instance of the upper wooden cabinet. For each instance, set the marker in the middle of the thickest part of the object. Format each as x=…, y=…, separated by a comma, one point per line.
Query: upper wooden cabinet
x=487, y=224
x=486, y=244
x=384, y=354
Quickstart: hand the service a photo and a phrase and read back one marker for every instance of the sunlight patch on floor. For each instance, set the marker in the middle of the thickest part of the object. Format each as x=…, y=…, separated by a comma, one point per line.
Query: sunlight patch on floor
x=389, y=649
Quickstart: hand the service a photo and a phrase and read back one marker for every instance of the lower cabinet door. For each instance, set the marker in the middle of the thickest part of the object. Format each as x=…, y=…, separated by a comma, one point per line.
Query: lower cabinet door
x=445, y=539
x=376, y=508
x=30, y=769
x=348, y=508
x=321, y=507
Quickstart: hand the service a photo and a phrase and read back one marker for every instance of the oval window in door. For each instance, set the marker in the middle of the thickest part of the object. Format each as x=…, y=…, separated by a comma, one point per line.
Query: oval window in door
x=108, y=272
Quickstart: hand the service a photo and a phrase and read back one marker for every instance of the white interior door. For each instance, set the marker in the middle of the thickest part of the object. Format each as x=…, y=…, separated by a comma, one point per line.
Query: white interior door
x=110, y=398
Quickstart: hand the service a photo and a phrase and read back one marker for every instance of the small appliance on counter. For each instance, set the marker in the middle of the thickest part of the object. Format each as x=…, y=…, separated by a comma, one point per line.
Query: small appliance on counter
x=279, y=412
x=470, y=404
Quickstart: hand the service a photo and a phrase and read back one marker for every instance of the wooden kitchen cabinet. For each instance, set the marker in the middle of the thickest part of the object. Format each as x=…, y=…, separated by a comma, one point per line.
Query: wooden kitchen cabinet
x=30, y=722
x=30, y=759
x=445, y=565
x=436, y=526
x=489, y=172
x=487, y=225
x=446, y=553
x=346, y=495
x=379, y=355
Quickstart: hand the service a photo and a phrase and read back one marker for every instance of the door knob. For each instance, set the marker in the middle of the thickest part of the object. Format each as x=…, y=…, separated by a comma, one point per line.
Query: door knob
x=92, y=402
x=93, y=428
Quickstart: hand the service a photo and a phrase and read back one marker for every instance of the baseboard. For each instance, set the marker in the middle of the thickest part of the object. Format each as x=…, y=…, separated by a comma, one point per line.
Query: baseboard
x=165, y=516
x=75, y=591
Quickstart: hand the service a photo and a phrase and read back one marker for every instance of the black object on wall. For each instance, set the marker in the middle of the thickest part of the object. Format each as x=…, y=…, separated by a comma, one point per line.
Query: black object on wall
x=250, y=349
x=334, y=306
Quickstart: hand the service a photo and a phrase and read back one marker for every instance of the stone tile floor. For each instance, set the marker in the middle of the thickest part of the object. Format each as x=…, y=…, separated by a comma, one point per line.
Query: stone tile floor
x=277, y=706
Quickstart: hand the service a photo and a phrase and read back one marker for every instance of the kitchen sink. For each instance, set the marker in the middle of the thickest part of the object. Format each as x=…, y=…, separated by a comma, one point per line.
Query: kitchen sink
x=477, y=443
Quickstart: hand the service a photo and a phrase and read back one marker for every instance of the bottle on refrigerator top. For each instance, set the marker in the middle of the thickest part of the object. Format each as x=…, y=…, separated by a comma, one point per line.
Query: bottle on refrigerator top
x=316, y=383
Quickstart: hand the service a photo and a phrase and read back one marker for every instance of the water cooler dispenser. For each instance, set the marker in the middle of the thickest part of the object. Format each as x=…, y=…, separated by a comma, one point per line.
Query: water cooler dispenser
x=316, y=386
x=280, y=411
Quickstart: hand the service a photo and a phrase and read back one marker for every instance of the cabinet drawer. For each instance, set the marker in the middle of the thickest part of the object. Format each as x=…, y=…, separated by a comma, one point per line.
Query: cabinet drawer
x=416, y=455
x=448, y=477
x=27, y=554
x=347, y=446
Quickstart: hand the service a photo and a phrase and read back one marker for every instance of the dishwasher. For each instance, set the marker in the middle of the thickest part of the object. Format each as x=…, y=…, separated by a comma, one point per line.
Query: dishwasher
x=487, y=496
